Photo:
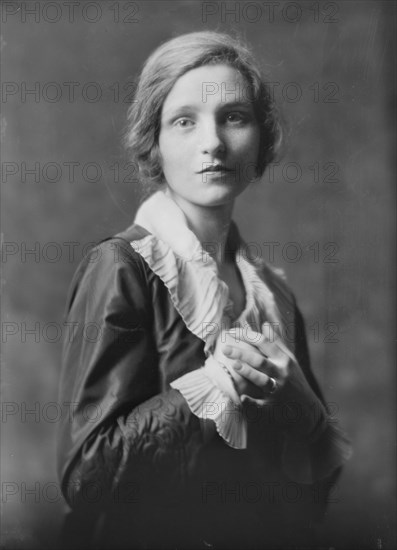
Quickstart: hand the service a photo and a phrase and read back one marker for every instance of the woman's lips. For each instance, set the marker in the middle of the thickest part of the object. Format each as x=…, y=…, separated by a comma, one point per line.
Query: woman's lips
x=224, y=175
x=215, y=169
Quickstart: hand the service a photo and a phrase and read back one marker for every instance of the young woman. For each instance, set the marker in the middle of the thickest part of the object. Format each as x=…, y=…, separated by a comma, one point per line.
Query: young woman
x=196, y=422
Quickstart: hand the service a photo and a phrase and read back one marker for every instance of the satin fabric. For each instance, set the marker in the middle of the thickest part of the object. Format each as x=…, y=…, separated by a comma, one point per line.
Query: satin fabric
x=137, y=468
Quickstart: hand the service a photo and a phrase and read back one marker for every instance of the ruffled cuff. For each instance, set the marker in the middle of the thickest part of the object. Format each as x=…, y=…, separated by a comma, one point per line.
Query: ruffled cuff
x=308, y=461
x=207, y=401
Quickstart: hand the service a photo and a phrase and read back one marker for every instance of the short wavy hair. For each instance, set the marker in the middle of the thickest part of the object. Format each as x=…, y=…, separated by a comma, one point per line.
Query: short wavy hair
x=162, y=69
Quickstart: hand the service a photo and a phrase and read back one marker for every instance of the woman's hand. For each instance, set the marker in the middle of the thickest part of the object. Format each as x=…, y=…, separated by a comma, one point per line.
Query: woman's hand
x=271, y=373
x=259, y=364
x=249, y=366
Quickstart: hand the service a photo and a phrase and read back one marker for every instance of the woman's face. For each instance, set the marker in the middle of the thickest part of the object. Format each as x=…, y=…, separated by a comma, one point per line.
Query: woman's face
x=209, y=136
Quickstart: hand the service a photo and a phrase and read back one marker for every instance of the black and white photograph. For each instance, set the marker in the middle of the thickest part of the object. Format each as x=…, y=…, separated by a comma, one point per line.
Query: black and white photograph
x=198, y=275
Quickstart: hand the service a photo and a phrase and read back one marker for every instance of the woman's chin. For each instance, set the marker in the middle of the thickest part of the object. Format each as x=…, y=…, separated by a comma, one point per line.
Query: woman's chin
x=212, y=192
x=217, y=197
x=219, y=192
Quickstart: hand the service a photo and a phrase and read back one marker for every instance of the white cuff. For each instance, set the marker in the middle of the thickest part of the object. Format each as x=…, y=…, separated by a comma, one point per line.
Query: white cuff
x=207, y=401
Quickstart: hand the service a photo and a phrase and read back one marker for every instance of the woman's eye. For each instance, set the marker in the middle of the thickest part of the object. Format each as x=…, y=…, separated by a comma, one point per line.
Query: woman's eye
x=235, y=117
x=183, y=122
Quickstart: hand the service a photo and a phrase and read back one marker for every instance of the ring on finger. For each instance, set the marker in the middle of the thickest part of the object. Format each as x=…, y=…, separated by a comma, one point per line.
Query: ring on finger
x=272, y=383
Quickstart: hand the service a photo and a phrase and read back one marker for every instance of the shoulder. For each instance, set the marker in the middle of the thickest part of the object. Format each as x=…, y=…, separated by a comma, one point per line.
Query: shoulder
x=115, y=253
x=134, y=232
x=111, y=264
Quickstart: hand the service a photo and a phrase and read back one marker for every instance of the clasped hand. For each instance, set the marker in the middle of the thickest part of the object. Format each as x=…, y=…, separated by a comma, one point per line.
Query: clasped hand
x=259, y=363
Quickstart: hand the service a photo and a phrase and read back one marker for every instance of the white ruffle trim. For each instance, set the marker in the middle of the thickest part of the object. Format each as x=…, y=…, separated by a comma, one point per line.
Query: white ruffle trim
x=190, y=274
x=207, y=401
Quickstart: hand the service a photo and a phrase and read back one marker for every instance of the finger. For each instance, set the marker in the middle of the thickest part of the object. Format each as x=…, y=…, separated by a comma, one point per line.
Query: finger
x=245, y=334
x=253, y=358
x=246, y=399
x=261, y=341
x=282, y=347
x=257, y=377
x=275, y=337
x=269, y=344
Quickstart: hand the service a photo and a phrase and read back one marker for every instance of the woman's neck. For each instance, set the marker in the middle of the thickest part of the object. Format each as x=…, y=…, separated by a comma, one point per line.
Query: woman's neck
x=210, y=225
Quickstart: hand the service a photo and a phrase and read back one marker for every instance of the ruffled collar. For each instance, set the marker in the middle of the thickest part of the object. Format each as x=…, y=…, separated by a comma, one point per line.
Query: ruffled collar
x=190, y=274
x=162, y=217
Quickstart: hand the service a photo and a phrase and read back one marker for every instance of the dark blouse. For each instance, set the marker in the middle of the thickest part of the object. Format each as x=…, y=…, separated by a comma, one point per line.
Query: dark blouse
x=138, y=469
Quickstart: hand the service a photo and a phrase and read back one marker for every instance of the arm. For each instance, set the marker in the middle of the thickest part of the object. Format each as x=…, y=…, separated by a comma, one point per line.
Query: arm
x=314, y=446
x=123, y=429
x=321, y=456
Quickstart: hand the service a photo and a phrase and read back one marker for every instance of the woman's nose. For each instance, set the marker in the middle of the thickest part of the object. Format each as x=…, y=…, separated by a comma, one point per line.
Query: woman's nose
x=211, y=139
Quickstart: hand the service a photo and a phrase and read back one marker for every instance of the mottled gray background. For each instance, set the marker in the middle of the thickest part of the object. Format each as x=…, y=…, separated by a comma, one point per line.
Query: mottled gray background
x=338, y=215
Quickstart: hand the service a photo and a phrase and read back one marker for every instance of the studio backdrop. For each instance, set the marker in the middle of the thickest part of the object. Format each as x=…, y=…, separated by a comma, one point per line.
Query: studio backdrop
x=323, y=212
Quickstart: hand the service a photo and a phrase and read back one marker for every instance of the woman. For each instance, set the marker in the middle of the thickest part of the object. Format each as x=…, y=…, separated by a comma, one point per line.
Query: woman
x=196, y=424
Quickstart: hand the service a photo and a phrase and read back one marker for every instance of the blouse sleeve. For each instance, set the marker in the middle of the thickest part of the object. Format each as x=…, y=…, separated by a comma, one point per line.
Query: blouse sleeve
x=120, y=429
